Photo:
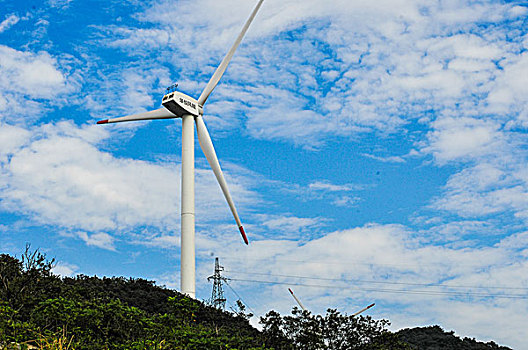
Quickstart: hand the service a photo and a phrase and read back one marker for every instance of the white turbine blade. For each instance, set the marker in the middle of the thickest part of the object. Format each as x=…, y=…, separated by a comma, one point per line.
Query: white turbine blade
x=360, y=311
x=297, y=300
x=207, y=147
x=225, y=62
x=160, y=113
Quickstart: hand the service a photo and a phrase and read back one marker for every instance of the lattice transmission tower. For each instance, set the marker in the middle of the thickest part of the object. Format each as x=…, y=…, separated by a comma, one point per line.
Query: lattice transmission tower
x=217, y=296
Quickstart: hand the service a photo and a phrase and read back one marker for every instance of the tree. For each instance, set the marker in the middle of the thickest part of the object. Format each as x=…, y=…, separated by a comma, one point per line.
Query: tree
x=334, y=331
x=24, y=282
x=240, y=310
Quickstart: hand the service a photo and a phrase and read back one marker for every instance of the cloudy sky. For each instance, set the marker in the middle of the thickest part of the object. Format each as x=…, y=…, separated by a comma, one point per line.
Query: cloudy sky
x=376, y=151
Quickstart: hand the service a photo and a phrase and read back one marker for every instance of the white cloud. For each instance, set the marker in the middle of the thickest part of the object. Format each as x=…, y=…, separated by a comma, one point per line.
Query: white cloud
x=12, y=138
x=59, y=3
x=7, y=23
x=33, y=74
x=509, y=91
x=132, y=89
x=487, y=188
x=135, y=39
x=327, y=186
x=346, y=201
x=463, y=138
x=65, y=180
x=338, y=195
x=518, y=11
x=455, y=231
x=290, y=227
x=388, y=159
x=101, y=240
x=163, y=241
x=64, y=269
x=29, y=83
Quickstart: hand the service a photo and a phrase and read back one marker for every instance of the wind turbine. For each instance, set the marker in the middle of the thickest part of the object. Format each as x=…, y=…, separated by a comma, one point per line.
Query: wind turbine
x=179, y=105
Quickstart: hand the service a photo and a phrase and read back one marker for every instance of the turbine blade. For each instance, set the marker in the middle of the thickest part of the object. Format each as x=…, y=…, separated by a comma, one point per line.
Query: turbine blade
x=297, y=300
x=160, y=113
x=207, y=147
x=360, y=311
x=225, y=62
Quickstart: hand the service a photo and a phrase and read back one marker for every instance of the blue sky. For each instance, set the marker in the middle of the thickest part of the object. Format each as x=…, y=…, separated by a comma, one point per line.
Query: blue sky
x=374, y=148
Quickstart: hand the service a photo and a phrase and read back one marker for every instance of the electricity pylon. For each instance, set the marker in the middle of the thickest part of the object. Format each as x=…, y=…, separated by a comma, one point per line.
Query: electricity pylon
x=217, y=296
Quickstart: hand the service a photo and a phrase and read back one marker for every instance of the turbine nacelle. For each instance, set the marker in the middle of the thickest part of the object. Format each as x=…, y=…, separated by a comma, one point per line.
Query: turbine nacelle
x=181, y=104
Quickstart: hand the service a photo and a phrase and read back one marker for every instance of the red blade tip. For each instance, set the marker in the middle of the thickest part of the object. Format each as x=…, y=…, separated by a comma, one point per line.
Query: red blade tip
x=102, y=121
x=243, y=233
x=290, y=291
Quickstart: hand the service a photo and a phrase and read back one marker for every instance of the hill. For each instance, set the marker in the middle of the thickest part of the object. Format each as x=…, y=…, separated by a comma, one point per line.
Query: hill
x=38, y=307
x=435, y=338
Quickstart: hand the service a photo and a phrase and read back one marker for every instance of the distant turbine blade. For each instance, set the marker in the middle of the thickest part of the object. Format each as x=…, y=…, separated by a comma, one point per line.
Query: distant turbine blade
x=161, y=113
x=225, y=62
x=360, y=311
x=297, y=300
x=207, y=147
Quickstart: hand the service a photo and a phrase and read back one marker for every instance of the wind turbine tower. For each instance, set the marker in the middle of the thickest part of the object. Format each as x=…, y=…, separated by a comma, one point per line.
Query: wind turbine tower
x=179, y=105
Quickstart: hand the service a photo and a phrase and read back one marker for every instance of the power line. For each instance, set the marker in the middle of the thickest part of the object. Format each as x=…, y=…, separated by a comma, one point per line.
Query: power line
x=378, y=282
x=398, y=291
x=239, y=297
x=352, y=262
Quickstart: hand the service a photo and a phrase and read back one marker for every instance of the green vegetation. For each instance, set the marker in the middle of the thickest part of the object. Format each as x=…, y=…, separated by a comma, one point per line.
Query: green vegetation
x=435, y=338
x=38, y=308
x=302, y=330
x=41, y=310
